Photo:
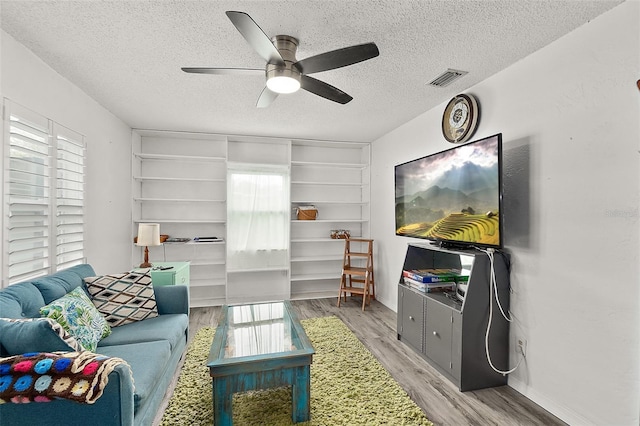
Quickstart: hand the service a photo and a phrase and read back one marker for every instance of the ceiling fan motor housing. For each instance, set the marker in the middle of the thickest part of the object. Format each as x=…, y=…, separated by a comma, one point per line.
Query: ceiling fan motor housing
x=287, y=46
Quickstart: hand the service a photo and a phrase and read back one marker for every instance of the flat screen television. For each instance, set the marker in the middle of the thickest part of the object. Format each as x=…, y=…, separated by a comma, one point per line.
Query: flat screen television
x=453, y=197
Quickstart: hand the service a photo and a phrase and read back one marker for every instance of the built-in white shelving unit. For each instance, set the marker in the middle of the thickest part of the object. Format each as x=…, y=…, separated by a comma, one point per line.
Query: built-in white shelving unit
x=262, y=281
x=334, y=177
x=180, y=181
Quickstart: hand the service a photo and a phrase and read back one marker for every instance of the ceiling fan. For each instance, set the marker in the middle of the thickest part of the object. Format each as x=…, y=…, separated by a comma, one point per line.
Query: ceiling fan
x=284, y=73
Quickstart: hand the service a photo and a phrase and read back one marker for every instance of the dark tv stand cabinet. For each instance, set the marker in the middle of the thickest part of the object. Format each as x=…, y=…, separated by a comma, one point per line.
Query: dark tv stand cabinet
x=451, y=334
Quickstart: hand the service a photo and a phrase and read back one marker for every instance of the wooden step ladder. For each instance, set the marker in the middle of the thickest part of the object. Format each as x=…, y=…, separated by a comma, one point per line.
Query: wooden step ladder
x=357, y=278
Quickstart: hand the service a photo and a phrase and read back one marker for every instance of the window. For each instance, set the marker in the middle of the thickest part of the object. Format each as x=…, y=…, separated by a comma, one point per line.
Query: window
x=43, y=197
x=257, y=216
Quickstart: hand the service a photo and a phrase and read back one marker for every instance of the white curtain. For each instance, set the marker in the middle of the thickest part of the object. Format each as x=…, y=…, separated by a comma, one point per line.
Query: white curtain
x=258, y=211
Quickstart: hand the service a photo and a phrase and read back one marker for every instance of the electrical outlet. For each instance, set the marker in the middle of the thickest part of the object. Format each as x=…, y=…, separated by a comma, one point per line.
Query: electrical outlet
x=521, y=343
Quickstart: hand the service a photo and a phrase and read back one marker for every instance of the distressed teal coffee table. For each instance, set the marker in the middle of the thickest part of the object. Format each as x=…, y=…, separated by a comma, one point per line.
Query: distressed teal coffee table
x=259, y=346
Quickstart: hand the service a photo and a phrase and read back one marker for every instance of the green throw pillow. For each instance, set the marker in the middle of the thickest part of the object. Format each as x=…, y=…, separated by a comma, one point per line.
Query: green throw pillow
x=76, y=314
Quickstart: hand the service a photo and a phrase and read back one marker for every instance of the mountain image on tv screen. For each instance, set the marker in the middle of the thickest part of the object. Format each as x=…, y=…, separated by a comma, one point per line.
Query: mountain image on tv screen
x=452, y=196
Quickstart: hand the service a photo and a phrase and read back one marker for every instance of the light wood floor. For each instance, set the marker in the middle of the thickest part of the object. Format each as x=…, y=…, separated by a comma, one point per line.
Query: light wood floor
x=435, y=395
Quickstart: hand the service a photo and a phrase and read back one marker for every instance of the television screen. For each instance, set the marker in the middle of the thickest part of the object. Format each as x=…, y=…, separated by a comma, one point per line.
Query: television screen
x=453, y=197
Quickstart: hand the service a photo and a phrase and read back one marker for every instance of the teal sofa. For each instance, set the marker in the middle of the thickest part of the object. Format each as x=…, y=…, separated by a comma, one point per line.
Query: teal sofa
x=152, y=347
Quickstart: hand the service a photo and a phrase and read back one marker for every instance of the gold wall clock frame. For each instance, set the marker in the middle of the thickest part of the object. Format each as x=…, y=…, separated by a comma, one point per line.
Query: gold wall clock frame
x=460, y=118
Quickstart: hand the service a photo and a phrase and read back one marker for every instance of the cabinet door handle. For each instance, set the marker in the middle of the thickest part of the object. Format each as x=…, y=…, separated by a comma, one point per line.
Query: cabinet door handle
x=435, y=333
x=410, y=317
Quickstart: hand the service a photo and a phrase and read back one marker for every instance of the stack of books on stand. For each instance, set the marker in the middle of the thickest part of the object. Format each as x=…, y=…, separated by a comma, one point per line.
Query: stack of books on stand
x=432, y=280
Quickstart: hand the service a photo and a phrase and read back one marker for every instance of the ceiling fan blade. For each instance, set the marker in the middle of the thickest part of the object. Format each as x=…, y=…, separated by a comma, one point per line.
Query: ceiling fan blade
x=225, y=71
x=255, y=37
x=266, y=98
x=324, y=90
x=338, y=58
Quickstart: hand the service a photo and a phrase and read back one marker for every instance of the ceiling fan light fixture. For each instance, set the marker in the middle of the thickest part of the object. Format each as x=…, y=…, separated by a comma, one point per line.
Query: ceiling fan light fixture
x=284, y=73
x=283, y=84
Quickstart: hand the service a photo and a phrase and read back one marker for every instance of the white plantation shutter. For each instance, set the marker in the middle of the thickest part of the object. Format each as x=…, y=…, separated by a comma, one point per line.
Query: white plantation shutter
x=69, y=198
x=29, y=191
x=44, y=192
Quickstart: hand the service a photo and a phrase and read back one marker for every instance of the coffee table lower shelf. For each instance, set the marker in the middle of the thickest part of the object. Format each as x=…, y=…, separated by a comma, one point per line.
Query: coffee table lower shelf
x=298, y=377
x=262, y=369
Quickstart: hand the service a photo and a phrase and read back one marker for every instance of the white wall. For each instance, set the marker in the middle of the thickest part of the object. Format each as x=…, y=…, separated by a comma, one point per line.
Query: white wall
x=569, y=116
x=28, y=81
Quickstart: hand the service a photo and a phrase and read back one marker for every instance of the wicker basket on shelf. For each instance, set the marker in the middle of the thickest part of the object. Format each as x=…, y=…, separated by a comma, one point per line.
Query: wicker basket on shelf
x=307, y=213
x=340, y=234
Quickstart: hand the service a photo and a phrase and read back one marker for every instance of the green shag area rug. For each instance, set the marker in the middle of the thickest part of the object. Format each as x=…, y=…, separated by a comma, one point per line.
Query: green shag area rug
x=348, y=387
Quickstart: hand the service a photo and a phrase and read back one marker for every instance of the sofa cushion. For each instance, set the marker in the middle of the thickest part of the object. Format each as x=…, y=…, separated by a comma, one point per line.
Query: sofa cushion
x=56, y=285
x=20, y=336
x=170, y=327
x=148, y=361
x=123, y=298
x=76, y=314
x=22, y=300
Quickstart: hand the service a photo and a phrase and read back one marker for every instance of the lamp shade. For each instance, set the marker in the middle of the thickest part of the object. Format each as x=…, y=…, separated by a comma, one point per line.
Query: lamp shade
x=148, y=234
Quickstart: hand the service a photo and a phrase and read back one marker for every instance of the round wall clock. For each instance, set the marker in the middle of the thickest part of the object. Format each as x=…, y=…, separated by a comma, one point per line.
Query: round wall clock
x=460, y=118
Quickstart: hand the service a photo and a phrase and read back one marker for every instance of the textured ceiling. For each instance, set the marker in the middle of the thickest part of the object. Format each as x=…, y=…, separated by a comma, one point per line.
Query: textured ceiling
x=127, y=55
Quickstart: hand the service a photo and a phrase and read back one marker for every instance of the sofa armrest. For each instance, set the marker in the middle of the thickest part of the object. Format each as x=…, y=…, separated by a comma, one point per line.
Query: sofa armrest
x=172, y=299
x=114, y=407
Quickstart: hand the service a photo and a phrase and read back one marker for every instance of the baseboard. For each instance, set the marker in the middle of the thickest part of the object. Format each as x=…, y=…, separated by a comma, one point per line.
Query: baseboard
x=386, y=302
x=562, y=412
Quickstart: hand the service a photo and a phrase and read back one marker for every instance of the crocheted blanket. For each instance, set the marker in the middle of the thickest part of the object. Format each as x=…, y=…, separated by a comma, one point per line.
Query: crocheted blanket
x=43, y=377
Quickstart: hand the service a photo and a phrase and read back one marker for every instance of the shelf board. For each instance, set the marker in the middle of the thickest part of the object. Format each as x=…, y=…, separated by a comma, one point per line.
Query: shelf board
x=265, y=269
x=206, y=282
x=320, y=240
x=316, y=277
x=219, y=262
x=331, y=221
x=330, y=144
x=306, y=202
x=203, y=302
x=324, y=258
x=149, y=156
x=313, y=295
x=204, y=243
x=329, y=164
x=316, y=183
x=179, y=200
x=179, y=221
x=177, y=179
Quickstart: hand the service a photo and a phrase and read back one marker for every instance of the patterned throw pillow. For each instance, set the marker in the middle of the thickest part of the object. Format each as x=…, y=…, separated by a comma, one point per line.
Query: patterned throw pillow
x=123, y=298
x=77, y=315
x=22, y=335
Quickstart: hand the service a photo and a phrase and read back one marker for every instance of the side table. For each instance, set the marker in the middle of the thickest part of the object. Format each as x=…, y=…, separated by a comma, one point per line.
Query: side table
x=177, y=275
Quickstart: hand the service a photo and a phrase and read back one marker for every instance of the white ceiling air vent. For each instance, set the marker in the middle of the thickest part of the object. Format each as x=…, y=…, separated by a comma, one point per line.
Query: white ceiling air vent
x=447, y=77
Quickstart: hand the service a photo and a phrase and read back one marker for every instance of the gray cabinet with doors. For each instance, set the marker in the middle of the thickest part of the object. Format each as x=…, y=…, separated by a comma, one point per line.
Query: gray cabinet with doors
x=450, y=332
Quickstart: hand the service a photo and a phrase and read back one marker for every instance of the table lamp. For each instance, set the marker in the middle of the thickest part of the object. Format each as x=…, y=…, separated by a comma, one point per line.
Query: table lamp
x=148, y=235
